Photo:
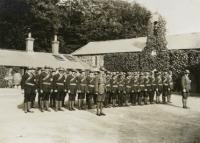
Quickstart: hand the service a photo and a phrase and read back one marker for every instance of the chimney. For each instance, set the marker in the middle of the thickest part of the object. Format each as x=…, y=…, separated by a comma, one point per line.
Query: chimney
x=29, y=43
x=55, y=45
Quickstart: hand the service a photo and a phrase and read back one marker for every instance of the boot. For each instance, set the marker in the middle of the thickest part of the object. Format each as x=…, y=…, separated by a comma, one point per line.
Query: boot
x=60, y=106
x=47, y=106
x=25, y=107
x=73, y=105
x=56, y=109
x=29, y=107
x=42, y=105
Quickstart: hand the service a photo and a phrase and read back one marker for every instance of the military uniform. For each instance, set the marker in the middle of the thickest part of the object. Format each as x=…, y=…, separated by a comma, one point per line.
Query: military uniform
x=128, y=88
x=153, y=88
x=114, y=89
x=72, y=89
x=82, y=89
x=171, y=86
x=90, y=90
x=159, y=86
x=108, y=90
x=147, y=89
x=121, y=90
x=141, y=88
x=165, y=87
x=135, y=89
x=45, y=86
x=28, y=84
x=186, y=87
x=59, y=88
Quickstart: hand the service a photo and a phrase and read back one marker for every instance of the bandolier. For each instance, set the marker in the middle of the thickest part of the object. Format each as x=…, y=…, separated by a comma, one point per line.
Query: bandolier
x=91, y=89
x=128, y=84
x=121, y=89
x=165, y=87
x=147, y=89
x=72, y=89
x=159, y=86
x=45, y=88
x=141, y=88
x=134, y=89
x=108, y=90
x=171, y=86
x=59, y=89
x=153, y=87
x=114, y=89
x=82, y=89
x=28, y=84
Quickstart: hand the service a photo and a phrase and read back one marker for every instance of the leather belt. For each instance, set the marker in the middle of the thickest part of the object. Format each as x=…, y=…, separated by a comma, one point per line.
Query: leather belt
x=59, y=83
x=142, y=85
x=72, y=83
x=83, y=84
x=46, y=83
x=128, y=86
x=121, y=85
x=91, y=85
x=114, y=85
x=31, y=84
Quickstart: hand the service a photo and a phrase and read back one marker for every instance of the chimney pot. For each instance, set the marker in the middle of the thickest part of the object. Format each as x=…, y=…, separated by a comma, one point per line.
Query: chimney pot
x=55, y=46
x=29, y=43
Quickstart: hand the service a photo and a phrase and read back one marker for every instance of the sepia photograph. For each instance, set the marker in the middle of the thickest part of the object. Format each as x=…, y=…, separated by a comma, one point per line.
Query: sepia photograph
x=99, y=71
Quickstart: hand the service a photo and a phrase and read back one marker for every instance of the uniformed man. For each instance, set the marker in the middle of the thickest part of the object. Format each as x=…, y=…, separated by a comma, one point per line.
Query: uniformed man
x=114, y=89
x=36, y=75
x=171, y=86
x=159, y=86
x=108, y=89
x=45, y=88
x=153, y=87
x=72, y=88
x=186, y=87
x=121, y=89
x=82, y=89
x=141, y=88
x=165, y=87
x=59, y=88
x=147, y=87
x=101, y=89
x=28, y=84
x=54, y=73
x=128, y=87
x=134, y=89
x=91, y=89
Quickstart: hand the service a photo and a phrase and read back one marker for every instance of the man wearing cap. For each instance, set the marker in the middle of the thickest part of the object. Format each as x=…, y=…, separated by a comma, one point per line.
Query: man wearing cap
x=82, y=89
x=141, y=88
x=159, y=86
x=45, y=85
x=28, y=84
x=54, y=73
x=147, y=88
x=90, y=89
x=121, y=89
x=59, y=88
x=134, y=88
x=165, y=87
x=101, y=89
x=114, y=89
x=108, y=89
x=153, y=87
x=128, y=85
x=186, y=87
x=171, y=86
x=72, y=88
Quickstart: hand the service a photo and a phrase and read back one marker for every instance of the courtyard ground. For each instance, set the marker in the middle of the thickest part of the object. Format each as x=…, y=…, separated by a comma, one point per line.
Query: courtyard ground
x=135, y=124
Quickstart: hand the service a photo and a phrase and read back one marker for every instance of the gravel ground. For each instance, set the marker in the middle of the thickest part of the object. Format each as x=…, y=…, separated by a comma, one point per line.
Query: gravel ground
x=136, y=124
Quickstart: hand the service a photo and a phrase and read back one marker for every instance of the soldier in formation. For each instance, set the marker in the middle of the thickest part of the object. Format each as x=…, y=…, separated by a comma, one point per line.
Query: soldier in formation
x=100, y=88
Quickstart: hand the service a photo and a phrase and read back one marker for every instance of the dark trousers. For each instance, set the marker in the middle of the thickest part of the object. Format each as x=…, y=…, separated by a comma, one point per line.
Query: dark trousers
x=151, y=96
x=89, y=97
x=165, y=93
x=140, y=97
x=134, y=98
x=95, y=98
x=53, y=99
x=107, y=99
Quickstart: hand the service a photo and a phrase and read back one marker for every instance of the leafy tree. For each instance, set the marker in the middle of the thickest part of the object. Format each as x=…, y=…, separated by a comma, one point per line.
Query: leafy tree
x=76, y=22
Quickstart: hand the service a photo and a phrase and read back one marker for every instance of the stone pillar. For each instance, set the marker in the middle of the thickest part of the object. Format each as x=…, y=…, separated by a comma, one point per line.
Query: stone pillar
x=55, y=46
x=29, y=43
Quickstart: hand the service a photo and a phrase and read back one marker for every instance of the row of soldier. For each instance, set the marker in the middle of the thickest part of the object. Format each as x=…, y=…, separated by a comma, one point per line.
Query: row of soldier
x=121, y=89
